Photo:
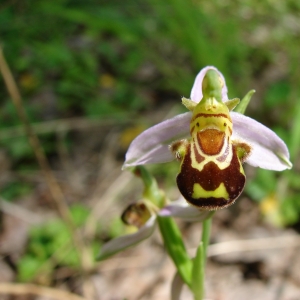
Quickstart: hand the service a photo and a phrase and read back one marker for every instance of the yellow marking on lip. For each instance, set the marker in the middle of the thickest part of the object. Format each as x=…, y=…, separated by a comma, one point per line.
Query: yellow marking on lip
x=219, y=192
x=226, y=149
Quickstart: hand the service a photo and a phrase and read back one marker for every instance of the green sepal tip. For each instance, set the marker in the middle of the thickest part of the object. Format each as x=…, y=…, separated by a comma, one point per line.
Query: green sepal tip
x=241, y=108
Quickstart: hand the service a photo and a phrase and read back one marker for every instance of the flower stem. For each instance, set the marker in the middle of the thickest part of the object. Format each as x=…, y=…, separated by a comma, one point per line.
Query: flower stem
x=205, y=241
x=151, y=190
x=198, y=274
x=206, y=235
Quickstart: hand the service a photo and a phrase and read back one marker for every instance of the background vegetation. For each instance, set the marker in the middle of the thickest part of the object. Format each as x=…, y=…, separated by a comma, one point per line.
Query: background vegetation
x=93, y=74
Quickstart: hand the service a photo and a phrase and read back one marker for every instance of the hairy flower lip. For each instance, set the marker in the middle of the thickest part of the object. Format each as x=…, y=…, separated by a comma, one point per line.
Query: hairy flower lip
x=152, y=146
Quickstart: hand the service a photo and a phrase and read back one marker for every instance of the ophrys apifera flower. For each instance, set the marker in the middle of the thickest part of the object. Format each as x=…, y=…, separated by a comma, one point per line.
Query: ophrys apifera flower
x=211, y=142
x=142, y=215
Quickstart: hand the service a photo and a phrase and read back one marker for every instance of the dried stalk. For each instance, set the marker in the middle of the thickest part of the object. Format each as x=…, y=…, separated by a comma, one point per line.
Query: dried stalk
x=27, y=289
x=54, y=188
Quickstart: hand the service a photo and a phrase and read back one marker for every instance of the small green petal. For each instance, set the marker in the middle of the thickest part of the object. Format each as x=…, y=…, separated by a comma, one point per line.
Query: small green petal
x=188, y=103
x=232, y=103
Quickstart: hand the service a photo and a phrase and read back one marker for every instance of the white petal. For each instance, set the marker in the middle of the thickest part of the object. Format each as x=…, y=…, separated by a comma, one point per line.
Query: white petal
x=268, y=150
x=123, y=242
x=152, y=145
x=196, y=93
x=181, y=209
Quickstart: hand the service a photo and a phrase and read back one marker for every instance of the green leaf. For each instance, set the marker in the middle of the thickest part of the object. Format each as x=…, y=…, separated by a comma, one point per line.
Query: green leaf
x=79, y=213
x=277, y=94
x=295, y=134
x=27, y=267
x=198, y=271
x=264, y=183
x=197, y=285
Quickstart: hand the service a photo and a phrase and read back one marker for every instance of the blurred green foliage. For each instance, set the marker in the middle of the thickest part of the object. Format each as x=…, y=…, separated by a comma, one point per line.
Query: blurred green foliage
x=94, y=55
x=117, y=59
x=15, y=189
x=50, y=245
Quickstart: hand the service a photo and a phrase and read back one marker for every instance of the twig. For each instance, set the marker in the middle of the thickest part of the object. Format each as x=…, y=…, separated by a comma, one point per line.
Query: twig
x=287, y=272
x=127, y=262
x=253, y=244
x=19, y=212
x=25, y=289
x=105, y=201
x=35, y=144
x=55, y=190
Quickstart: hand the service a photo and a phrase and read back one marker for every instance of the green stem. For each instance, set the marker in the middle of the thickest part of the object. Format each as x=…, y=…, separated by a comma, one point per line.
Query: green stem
x=198, y=274
x=151, y=190
x=206, y=236
x=205, y=242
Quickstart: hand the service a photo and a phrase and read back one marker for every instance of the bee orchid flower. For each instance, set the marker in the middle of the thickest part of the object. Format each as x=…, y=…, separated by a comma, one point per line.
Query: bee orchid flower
x=144, y=219
x=211, y=142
